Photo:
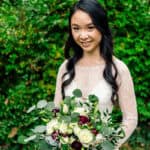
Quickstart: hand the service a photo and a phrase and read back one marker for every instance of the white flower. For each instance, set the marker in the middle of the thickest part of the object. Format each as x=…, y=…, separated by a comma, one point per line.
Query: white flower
x=85, y=136
x=67, y=140
x=76, y=130
x=65, y=109
x=71, y=139
x=81, y=111
x=63, y=128
x=69, y=130
x=73, y=124
x=51, y=126
x=99, y=138
x=64, y=140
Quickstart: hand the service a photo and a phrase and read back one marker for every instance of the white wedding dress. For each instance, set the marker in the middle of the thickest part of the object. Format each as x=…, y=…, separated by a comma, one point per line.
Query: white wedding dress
x=90, y=81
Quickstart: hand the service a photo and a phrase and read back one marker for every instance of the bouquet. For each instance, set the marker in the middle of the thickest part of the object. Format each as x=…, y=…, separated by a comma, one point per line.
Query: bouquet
x=76, y=125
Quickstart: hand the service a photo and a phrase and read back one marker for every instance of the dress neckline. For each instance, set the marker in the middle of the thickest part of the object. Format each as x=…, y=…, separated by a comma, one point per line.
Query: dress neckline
x=90, y=66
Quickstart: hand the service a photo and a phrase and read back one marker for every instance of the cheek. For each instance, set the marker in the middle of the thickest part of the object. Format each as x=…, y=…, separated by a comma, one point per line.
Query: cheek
x=75, y=36
x=99, y=37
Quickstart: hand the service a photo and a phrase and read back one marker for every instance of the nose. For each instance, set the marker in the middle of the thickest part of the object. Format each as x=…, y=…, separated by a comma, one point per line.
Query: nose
x=84, y=35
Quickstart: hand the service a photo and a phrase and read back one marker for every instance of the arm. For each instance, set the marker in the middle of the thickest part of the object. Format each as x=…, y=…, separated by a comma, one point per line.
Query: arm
x=127, y=103
x=58, y=94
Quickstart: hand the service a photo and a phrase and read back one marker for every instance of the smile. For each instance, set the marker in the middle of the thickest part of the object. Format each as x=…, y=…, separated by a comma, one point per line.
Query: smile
x=85, y=44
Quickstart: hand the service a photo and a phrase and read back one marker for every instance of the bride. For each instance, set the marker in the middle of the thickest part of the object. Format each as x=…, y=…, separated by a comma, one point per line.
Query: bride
x=91, y=66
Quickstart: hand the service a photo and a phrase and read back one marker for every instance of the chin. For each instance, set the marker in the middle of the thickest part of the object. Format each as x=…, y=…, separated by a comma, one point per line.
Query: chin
x=87, y=50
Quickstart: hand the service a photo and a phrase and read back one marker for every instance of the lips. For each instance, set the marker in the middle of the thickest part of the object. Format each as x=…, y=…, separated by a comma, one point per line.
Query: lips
x=85, y=44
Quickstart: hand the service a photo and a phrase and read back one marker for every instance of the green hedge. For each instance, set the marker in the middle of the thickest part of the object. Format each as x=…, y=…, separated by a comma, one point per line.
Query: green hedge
x=32, y=35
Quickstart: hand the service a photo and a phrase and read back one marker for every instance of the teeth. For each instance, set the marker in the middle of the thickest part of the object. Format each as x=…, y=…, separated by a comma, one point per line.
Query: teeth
x=85, y=44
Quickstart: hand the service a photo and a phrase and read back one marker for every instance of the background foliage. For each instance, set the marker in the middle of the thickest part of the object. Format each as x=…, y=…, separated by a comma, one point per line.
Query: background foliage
x=32, y=35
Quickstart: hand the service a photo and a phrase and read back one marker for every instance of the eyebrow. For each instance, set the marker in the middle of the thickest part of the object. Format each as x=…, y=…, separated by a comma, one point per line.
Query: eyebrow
x=79, y=25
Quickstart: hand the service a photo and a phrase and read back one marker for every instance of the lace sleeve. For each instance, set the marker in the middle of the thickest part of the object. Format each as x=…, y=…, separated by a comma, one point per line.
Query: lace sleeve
x=58, y=94
x=127, y=102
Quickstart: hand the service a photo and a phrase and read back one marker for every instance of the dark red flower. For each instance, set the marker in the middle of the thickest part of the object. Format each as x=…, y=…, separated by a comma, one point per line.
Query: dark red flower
x=83, y=120
x=55, y=111
x=55, y=135
x=94, y=131
x=76, y=145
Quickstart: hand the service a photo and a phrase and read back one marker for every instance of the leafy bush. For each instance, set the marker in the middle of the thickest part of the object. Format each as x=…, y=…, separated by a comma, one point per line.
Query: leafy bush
x=32, y=35
x=130, y=22
x=30, y=53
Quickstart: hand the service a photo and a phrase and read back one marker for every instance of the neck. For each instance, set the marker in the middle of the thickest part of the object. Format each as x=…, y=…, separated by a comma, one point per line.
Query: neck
x=91, y=59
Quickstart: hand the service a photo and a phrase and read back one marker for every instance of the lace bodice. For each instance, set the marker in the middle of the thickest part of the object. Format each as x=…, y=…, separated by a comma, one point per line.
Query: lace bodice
x=90, y=80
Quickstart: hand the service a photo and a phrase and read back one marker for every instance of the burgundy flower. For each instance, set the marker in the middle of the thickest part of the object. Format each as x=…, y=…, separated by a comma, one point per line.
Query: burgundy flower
x=83, y=120
x=55, y=111
x=55, y=135
x=76, y=145
x=94, y=131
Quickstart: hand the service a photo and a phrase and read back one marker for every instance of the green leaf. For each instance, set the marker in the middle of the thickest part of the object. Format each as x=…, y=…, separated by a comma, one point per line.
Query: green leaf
x=77, y=93
x=31, y=109
x=31, y=138
x=93, y=98
x=67, y=100
x=21, y=139
x=43, y=145
x=41, y=104
x=75, y=117
x=107, y=131
x=67, y=119
x=39, y=129
x=64, y=147
x=50, y=106
x=49, y=140
x=107, y=146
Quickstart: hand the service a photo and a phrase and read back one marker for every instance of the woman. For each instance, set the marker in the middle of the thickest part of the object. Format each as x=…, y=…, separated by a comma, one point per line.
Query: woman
x=91, y=66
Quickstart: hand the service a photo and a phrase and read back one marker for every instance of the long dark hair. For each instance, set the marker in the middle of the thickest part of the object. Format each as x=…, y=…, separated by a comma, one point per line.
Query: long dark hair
x=73, y=52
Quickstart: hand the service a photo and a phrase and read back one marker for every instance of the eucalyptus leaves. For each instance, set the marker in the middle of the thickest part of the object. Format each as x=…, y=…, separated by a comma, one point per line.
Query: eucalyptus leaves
x=75, y=125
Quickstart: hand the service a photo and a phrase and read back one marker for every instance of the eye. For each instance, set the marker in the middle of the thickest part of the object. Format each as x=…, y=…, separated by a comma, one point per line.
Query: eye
x=75, y=28
x=91, y=27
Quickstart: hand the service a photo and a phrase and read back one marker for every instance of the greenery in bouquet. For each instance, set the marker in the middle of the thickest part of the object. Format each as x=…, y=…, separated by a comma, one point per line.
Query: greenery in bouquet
x=77, y=124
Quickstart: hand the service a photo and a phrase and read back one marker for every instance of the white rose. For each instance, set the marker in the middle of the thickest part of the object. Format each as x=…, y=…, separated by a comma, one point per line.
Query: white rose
x=76, y=130
x=63, y=128
x=65, y=109
x=81, y=111
x=72, y=125
x=69, y=130
x=51, y=126
x=85, y=136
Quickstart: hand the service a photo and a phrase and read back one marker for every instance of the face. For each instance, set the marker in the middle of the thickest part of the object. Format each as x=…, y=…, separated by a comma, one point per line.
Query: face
x=84, y=32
